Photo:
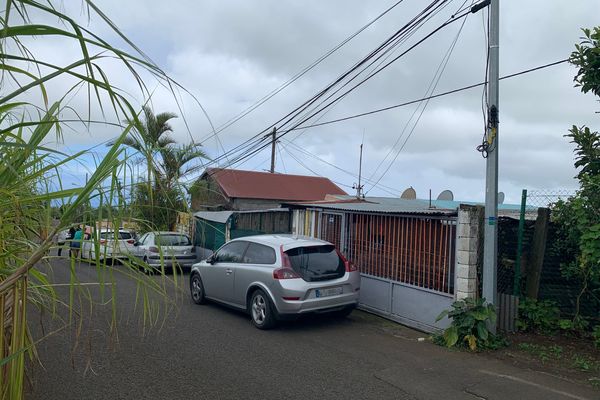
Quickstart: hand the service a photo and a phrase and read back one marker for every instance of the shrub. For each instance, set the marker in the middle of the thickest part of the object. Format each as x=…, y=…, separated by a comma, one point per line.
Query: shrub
x=538, y=316
x=470, y=319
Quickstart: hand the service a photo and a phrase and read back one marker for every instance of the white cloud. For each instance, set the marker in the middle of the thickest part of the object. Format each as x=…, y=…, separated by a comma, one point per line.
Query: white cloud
x=230, y=54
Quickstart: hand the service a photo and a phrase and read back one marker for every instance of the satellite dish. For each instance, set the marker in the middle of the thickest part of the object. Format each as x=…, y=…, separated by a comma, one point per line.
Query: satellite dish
x=446, y=195
x=409, y=194
x=500, y=197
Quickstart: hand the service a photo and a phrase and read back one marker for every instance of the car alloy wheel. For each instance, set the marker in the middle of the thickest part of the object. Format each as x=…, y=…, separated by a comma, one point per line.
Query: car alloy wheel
x=197, y=289
x=261, y=311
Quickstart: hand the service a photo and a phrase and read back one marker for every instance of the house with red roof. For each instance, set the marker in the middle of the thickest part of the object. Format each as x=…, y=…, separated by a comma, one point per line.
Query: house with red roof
x=230, y=189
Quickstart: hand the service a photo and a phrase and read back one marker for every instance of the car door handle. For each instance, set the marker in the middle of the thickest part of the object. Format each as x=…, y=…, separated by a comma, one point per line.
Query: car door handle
x=228, y=271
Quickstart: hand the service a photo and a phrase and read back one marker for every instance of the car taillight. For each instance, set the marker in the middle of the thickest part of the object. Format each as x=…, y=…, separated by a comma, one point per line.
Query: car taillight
x=350, y=267
x=153, y=249
x=102, y=241
x=285, y=273
x=131, y=241
x=285, y=259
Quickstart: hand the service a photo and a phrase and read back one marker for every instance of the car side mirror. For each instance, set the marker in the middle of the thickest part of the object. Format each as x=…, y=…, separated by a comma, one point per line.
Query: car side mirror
x=136, y=243
x=211, y=260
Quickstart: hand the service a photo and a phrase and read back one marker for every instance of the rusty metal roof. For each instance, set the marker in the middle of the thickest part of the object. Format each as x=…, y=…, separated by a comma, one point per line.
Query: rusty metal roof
x=264, y=185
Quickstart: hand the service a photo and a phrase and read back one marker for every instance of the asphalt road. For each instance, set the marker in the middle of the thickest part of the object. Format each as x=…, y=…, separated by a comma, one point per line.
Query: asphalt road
x=211, y=352
x=203, y=352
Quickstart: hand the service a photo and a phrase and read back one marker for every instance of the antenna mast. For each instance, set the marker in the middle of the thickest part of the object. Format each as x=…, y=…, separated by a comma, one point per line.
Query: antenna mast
x=359, y=187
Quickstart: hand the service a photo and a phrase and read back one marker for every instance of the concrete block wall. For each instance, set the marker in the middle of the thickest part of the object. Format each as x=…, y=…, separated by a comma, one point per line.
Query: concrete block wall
x=468, y=246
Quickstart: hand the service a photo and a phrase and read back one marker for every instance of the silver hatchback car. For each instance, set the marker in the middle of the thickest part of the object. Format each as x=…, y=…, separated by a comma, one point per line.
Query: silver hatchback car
x=275, y=277
x=170, y=249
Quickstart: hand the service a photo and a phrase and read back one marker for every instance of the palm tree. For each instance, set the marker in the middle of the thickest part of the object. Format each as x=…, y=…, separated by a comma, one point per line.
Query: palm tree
x=151, y=136
x=176, y=160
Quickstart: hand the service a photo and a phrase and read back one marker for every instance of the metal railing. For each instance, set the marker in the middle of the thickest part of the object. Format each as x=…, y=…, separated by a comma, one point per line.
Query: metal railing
x=13, y=335
x=418, y=251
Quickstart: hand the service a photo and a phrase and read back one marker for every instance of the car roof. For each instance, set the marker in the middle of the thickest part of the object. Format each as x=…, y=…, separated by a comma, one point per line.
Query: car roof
x=288, y=241
x=168, y=233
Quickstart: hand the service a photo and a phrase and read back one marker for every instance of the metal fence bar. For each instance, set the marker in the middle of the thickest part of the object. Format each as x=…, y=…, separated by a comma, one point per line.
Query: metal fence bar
x=415, y=251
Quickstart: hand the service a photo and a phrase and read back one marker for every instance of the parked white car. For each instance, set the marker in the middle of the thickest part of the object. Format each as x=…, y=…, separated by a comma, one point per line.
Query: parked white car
x=173, y=248
x=63, y=241
x=112, y=244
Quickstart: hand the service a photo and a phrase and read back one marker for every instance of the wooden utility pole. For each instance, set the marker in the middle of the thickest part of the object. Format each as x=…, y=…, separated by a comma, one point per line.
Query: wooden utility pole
x=273, y=136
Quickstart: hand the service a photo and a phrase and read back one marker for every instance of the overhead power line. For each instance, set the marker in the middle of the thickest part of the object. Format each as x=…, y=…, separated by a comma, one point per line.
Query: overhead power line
x=299, y=74
x=422, y=106
x=379, y=110
x=454, y=18
x=390, y=190
x=375, y=54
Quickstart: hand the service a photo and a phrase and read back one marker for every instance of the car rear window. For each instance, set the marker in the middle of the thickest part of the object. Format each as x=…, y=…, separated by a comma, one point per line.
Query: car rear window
x=172, y=240
x=111, y=235
x=317, y=263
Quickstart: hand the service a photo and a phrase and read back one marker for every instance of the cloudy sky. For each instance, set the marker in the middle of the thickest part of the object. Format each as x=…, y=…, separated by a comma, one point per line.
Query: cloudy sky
x=230, y=54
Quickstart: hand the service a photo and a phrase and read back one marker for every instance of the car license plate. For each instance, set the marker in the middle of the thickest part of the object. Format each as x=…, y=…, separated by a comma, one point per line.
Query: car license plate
x=334, y=291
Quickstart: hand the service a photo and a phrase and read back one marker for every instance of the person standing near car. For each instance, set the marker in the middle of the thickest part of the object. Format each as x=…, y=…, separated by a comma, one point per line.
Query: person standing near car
x=68, y=239
x=76, y=242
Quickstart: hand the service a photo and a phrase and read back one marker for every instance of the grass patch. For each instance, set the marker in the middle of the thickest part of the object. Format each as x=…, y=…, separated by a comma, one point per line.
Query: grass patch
x=544, y=353
x=579, y=362
x=585, y=363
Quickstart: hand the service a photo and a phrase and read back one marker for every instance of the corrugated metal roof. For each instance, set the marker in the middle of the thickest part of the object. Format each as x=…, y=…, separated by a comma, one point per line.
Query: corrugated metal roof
x=222, y=216
x=383, y=205
x=406, y=206
x=264, y=185
x=214, y=216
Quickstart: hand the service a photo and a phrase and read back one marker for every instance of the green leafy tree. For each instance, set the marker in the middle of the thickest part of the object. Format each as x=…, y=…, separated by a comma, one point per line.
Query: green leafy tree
x=157, y=208
x=586, y=57
x=578, y=218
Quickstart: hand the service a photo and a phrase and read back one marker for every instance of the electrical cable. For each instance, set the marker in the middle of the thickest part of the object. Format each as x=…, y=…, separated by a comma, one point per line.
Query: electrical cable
x=240, y=148
x=387, y=189
x=299, y=74
x=379, y=110
x=379, y=52
x=379, y=61
x=250, y=149
x=309, y=169
x=430, y=90
x=483, y=148
x=456, y=18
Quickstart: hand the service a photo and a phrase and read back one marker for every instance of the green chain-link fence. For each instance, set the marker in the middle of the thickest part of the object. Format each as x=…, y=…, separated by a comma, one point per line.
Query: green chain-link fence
x=516, y=262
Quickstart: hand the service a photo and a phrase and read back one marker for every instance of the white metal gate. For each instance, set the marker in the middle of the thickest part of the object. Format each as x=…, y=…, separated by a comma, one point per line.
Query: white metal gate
x=406, y=263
